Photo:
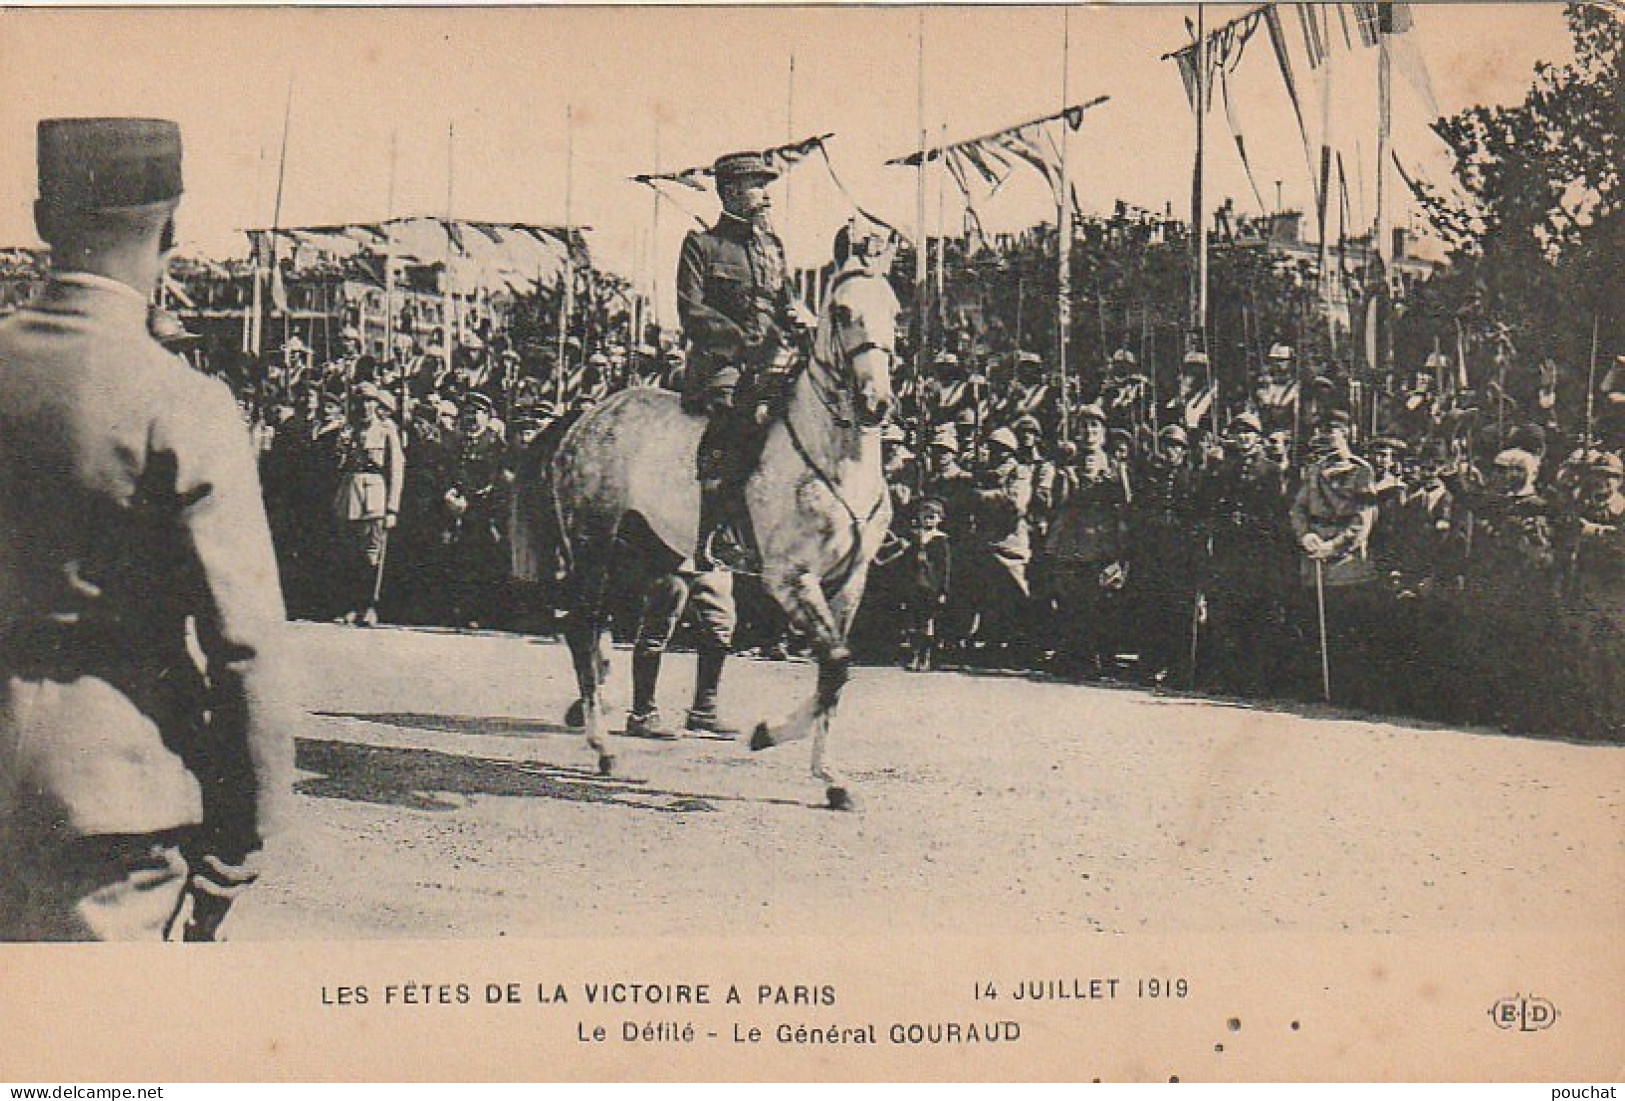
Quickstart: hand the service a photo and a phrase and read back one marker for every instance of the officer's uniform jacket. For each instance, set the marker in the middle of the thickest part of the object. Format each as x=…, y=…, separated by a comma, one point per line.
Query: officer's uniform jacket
x=130, y=505
x=731, y=291
x=1338, y=502
x=374, y=472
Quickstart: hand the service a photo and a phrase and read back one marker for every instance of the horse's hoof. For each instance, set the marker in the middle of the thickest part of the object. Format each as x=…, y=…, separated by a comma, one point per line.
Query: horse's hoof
x=761, y=738
x=606, y=764
x=576, y=715
x=840, y=799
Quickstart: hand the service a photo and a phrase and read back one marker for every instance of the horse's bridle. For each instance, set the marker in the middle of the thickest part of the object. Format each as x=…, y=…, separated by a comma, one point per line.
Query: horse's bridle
x=831, y=383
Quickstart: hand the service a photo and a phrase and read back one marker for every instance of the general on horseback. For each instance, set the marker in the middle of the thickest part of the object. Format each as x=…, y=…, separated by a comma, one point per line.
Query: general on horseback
x=770, y=463
x=742, y=325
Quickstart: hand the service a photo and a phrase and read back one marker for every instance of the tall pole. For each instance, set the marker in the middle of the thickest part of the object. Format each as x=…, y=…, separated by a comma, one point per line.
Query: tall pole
x=276, y=210
x=1381, y=360
x=654, y=240
x=567, y=297
x=789, y=133
x=1063, y=238
x=919, y=239
x=449, y=318
x=389, y=253
x=942, y=242
x=1198, y=290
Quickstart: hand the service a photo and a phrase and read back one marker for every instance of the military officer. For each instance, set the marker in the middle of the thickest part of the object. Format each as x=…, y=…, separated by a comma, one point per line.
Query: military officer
x=136, y=783
x=739, y=317
x=372, y=467
x=474, y=503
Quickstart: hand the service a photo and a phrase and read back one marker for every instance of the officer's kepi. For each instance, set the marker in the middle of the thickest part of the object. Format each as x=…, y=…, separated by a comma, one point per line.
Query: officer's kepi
x=91, y=165
x=735, y=166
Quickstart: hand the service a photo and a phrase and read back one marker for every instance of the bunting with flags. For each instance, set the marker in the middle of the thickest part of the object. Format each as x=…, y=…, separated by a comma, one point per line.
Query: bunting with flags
x=991, y=158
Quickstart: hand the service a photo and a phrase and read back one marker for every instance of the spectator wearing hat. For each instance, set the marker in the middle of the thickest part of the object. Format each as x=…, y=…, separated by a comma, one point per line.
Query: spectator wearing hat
x=738, y=313
x=1087, y=553
x=1163, y=544
x=1243, y=501
x=138, y=784
x=372, y=467
x=1332, y=517
x=997, y=581
x=924, y=562
x=475, y=510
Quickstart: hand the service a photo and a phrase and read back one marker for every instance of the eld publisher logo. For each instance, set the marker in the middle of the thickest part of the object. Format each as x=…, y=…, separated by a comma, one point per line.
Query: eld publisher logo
x=1525, y=1014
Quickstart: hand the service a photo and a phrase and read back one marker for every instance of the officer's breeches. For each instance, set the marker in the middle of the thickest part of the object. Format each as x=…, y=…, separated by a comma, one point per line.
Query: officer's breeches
x=711, y=596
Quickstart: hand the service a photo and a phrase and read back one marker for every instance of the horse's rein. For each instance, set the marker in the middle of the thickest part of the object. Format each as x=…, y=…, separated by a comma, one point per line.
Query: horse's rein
x=830, y=397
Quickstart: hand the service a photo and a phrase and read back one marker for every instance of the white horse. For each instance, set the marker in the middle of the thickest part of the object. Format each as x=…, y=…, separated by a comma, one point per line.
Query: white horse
x=818, y=501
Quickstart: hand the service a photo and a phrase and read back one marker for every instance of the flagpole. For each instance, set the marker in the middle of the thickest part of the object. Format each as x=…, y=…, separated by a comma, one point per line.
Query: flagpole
x=789, y=133
x=654, y=239
x=1385, y=244
x=920, y=241
x=942, y=242
x=276, y=209
x=1198, y=292
x=449, y=302
x=567, y=297
x=389, y=253
x=1063, y=238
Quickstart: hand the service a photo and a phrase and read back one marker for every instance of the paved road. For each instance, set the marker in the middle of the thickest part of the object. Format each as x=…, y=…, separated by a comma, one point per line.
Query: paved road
x=440, y=797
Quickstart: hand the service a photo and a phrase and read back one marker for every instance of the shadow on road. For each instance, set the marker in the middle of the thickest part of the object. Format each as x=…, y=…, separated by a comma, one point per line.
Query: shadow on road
x=495, y=725
x=420, y=779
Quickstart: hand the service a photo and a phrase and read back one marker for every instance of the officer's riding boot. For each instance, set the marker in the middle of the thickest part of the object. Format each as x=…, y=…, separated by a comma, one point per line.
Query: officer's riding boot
x=643, y=720
x=703, y=716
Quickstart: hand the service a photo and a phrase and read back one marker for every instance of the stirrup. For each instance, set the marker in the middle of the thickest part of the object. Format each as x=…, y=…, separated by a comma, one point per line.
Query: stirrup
x=723, y=549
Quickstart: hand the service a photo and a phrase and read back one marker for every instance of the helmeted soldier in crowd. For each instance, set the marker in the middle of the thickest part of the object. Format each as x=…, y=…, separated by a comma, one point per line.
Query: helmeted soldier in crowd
x=1592, y=541
x=742, y=324
x=1275, y=395
x=947, y=479
x=1087, y=548
x=1125, y=393
x=1191, y=404
x=1046, y=475
x=132, y=777
x=372, y=466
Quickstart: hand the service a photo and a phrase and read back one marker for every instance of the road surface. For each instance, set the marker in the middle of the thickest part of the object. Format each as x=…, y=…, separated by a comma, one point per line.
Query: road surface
x=440, y=797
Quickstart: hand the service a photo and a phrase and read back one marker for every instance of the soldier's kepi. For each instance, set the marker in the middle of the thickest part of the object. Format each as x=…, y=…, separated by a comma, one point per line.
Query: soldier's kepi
x=131, y=780
x=740, y=321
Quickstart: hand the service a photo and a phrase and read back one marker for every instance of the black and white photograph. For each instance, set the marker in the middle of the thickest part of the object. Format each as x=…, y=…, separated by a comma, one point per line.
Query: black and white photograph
x=827, y=543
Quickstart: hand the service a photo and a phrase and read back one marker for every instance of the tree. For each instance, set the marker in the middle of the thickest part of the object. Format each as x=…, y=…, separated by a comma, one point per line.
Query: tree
x=1537, y=236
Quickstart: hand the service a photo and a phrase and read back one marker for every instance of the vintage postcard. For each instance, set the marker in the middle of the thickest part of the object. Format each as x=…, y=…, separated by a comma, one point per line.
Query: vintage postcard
x=842, y=542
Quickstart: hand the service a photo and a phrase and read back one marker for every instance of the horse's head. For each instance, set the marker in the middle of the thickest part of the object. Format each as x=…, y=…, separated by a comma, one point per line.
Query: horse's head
x=857, y=333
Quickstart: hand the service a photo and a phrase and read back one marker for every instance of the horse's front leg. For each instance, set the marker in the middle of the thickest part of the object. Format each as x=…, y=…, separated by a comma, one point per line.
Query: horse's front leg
x=810, y=613
x=587, y=655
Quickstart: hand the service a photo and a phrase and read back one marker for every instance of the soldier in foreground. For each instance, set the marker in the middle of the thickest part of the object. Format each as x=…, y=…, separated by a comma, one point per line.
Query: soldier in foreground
x=131, y=781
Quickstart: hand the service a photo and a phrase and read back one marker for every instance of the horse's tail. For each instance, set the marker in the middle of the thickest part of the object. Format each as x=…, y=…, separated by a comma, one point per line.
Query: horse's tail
x=538, y=548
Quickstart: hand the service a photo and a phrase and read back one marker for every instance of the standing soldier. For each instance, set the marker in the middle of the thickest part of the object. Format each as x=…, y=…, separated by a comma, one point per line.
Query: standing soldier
x=1164, y=557
x=372, y=468
x=131, y=779
x=739, y=317
x=1244, y=505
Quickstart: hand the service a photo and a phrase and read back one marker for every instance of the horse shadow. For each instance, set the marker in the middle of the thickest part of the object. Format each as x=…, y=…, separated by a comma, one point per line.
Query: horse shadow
x=426, y=779
x=501, y=726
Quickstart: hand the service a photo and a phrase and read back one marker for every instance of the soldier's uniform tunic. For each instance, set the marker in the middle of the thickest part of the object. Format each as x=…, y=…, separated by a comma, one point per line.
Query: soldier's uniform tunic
x=130, y=511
